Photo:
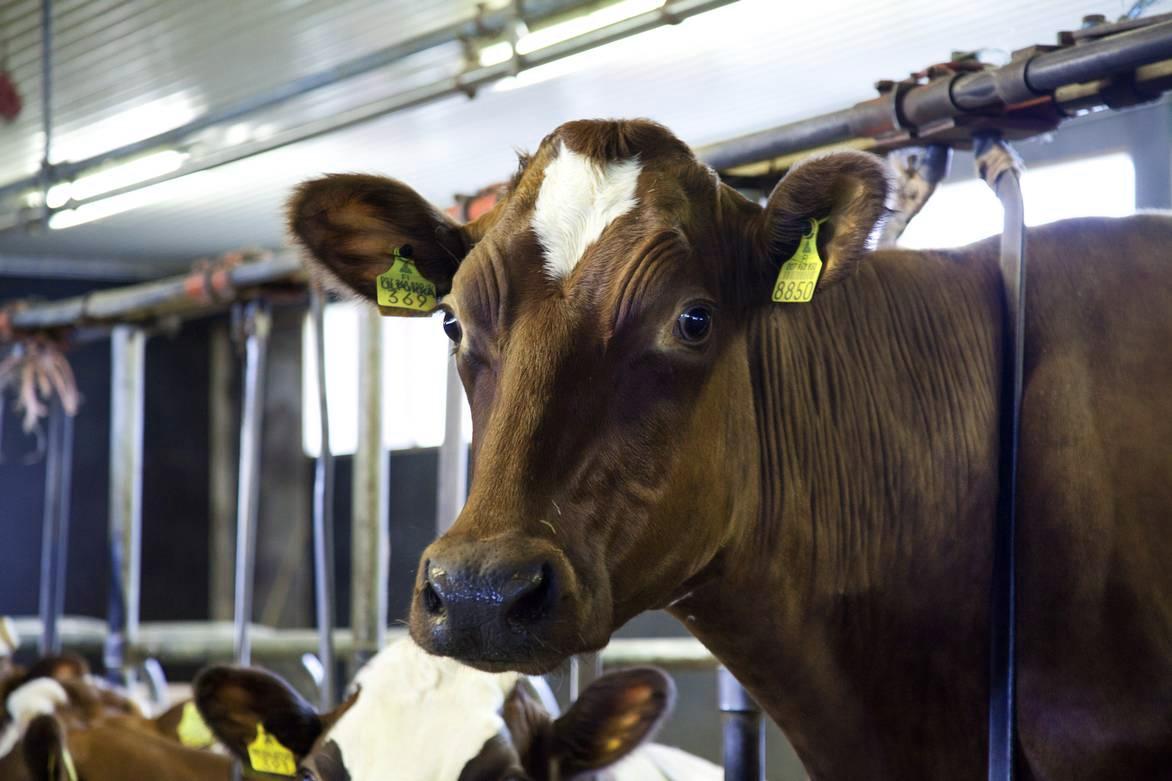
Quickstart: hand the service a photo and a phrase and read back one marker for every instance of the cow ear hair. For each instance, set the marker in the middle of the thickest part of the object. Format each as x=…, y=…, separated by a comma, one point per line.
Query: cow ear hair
x=350, y=224
x=235, y=700
x=614, y=715
x=45, y=754
x=844, y=194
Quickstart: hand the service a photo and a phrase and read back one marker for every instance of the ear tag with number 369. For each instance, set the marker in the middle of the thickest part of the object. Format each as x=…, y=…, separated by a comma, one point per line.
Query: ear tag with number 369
x=403, y=287
x=797, y=276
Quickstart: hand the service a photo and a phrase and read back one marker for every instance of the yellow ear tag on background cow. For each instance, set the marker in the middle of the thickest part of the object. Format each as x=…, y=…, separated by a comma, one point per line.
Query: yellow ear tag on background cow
x=798, y=275
x=267, y=755
x=192, y=730
x=403, y=287
x=67, y=761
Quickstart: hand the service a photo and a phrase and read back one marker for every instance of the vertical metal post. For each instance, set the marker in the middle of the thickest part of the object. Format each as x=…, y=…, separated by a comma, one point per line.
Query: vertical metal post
x=46, y=104
x=452, y=483
x=223, y=439
x=370, y=535
x=1001, y=169
x=744, y=733
x=584, y=669
x=256, y=327
x=127, y=396
x=323, y=511
x=55, y=528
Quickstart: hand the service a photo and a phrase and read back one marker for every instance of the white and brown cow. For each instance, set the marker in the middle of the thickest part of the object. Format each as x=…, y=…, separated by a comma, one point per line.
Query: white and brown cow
x=811, y=487
x=417, y=717
x=57, y=723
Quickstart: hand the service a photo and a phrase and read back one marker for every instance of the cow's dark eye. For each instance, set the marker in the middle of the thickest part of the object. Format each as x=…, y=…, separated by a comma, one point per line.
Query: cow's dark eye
x=452, y=327
x=694, y=324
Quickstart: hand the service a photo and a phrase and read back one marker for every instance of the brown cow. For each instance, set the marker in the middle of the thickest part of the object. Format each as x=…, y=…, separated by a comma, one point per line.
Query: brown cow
x=59, y=724
x=809, y=487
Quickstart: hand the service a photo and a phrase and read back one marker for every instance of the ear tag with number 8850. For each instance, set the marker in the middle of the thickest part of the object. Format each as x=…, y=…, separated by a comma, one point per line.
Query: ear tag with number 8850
x=797, y=276
x=402, y=286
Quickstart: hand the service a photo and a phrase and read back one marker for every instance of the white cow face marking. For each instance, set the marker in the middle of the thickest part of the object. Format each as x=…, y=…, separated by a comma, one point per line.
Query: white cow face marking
x=419, y=717
x=579, y=198
x=38, y=697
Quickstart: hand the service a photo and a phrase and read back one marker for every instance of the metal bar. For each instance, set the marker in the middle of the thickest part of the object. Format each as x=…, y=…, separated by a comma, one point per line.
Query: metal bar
x=486, y=23
x=452, y=482
x=584, y=670
x=466, y=83
x=45, y=174
x=55, y=528
x=257, y=322
x=136, y=302
x=127, y=395
x=197, y=642
x=944, y=99
x=1005, y=180
x=744, y=733
x=370, y=535
x=223, y=440
x=323, y=512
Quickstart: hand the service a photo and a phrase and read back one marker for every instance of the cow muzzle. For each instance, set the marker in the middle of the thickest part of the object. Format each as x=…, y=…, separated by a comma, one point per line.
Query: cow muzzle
x=495, y=604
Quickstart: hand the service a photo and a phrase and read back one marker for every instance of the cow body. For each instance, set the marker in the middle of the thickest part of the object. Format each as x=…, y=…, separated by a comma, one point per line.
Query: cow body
x=811, y=488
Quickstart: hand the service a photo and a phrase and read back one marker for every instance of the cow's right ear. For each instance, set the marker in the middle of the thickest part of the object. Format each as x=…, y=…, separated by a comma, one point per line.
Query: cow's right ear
x=351, y=223
x=235, y=701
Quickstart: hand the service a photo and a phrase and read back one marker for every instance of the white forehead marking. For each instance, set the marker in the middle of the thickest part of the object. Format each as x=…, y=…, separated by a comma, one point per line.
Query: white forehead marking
x=419, y=717
x=579, y=197
x=38, y=697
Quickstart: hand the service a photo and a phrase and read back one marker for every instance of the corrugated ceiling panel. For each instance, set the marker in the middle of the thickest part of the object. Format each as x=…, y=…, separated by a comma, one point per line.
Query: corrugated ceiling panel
x=747, y=66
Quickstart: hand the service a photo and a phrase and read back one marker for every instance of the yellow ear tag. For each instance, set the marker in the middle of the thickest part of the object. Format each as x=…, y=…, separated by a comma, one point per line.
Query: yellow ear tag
x=267, y=755
x=67, y=761
x=192, y=730
x=798, y=275
x=403, y=287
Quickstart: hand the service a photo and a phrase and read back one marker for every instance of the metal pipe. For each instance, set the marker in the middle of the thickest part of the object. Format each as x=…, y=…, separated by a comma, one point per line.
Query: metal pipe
x=257, y=324
x=947, y=98
x=744, y=733
x=485, y=23
x=55, y=526
x=466, y=83
x=1004, y=178
x=127, y=395
x=370, y=535
x=173, y=296
x=323, y=512
x=452, y=482
x=45, y=174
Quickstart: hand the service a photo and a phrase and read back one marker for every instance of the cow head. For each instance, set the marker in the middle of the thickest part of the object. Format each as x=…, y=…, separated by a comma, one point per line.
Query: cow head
x=415, y=717
x=598, y=314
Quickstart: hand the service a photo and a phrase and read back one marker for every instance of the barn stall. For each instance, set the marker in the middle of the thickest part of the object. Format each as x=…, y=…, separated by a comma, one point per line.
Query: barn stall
x=227, y=461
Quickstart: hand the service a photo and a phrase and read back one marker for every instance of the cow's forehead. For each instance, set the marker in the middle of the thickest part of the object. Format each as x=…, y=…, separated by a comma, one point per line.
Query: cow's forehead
x=419, y=717
x=591, y=183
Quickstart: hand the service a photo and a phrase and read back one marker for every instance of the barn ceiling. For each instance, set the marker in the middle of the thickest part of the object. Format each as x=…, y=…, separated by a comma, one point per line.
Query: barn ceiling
x=126, y=69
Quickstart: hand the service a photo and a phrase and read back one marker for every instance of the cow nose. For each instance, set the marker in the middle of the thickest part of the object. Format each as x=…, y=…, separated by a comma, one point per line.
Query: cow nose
x=517, y=595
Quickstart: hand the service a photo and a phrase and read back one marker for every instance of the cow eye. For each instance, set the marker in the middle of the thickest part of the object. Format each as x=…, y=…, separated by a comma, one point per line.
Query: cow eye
x=694, y=323
x=452, y=327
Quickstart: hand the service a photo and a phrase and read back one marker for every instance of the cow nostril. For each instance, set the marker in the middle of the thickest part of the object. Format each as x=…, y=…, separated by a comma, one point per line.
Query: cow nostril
x=431, y=598
x=431, y=601
x=533, y=601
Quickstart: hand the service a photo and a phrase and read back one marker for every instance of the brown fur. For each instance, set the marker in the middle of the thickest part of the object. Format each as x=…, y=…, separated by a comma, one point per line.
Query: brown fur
x=812, y=490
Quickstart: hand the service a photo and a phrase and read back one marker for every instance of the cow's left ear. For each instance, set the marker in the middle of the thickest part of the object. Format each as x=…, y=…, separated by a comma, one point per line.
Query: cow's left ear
x=45, y=754
x=846, y=192
x=234, y=701
x=614, y=715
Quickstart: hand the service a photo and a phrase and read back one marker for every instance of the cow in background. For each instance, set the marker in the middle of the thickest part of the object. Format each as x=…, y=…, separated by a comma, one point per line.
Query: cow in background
x=415, y=717
x=59, y=723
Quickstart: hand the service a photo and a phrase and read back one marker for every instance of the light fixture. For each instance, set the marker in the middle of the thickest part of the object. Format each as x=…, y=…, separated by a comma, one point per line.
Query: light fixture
x=495, y=54
x=115, y=177
x=134, y=199
x=580, y=25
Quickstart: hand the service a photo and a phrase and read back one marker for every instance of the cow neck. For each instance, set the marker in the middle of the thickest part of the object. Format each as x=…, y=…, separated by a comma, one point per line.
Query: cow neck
x=876, y=410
